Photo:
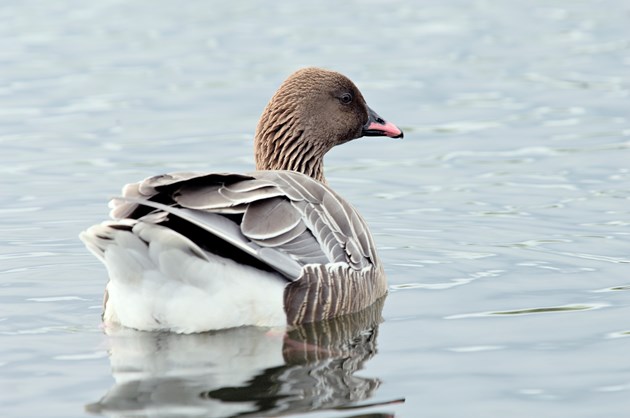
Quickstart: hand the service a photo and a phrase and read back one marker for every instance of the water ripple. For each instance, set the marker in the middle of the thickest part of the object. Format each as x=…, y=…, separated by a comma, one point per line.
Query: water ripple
x=476, y=348
x=86, y=356
x=618, y=334
x=450, y=284
x=56, y=299
x=532, y=311
x=616, y=260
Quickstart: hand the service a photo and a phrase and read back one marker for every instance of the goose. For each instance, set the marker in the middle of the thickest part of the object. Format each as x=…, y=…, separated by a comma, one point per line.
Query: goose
x=191, y=252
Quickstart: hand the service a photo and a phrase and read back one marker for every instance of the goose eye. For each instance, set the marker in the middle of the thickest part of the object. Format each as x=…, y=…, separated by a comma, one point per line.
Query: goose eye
x=346, y=98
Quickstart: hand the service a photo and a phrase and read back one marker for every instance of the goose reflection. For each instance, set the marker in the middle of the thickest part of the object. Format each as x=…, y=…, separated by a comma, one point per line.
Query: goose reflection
x=243, y=372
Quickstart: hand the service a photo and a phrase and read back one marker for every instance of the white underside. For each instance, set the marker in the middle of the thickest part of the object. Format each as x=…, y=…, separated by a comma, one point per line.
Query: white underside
x=170, y=284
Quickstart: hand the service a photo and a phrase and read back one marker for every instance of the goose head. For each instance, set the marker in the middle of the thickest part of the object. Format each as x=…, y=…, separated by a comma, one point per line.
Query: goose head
x=312, y=111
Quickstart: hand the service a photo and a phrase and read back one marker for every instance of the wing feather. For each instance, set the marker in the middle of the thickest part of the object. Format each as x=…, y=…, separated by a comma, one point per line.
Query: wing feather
x=269, y=218
x=284, y=219
x=230, y=233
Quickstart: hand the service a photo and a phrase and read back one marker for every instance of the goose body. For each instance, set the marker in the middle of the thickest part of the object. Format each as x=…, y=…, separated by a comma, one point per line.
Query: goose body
x=192, y=252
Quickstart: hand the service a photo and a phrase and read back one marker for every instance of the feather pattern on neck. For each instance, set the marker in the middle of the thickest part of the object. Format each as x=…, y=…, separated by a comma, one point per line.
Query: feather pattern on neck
x=282, y=143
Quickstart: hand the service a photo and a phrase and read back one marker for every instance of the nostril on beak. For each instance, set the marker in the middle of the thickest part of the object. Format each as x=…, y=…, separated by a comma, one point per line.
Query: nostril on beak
x=380, y=120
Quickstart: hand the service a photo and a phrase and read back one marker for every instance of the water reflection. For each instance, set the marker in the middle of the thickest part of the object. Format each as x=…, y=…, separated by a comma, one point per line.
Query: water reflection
x=243, y=372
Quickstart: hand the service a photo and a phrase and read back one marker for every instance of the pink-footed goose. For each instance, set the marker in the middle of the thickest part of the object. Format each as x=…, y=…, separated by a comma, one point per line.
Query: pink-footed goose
x=192, y=252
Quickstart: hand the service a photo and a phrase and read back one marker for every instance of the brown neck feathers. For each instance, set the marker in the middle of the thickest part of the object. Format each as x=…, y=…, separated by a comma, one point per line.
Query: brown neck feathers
x=281, y=143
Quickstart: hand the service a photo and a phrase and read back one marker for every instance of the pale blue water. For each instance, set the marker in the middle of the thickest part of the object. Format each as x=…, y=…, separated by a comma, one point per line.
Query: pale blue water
x=503, y=217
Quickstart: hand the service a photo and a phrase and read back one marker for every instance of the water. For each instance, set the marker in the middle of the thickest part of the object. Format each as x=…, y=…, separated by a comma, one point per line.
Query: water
x=502, y=217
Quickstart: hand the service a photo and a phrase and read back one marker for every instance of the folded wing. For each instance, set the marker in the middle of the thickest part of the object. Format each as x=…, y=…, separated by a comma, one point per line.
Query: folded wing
x=284, y=219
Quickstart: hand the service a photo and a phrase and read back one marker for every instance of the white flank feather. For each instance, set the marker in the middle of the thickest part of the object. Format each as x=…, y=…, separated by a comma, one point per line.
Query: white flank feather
x=160, y=280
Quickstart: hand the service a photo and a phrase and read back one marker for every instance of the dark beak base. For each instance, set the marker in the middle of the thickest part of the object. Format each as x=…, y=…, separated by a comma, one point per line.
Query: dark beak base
x=377, y=126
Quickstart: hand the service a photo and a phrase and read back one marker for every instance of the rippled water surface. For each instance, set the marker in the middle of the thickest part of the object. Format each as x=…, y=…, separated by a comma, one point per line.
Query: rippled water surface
x=503, y=217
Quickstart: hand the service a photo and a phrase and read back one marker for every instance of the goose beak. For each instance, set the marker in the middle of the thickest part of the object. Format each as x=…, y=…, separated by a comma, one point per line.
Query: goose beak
x=377, y=126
